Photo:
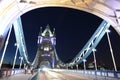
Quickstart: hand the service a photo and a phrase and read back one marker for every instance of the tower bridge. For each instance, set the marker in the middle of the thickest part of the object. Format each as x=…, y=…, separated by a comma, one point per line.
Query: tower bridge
x=11, y=11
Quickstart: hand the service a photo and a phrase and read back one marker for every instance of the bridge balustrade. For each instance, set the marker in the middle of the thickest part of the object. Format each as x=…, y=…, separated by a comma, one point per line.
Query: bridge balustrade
x=10, y=72
x=100, y=74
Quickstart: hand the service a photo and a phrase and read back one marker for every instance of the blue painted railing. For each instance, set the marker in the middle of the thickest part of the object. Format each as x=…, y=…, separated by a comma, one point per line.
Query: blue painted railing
x=114, y=75
x=10, y=72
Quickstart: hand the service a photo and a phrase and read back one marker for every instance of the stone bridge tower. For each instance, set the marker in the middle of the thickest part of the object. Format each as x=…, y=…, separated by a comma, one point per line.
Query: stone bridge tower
x=45, y=54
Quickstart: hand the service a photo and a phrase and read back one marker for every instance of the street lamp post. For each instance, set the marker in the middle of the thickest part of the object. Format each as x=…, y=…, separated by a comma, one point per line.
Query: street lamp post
x=21, y=59
x=16, y=44
x=95, y=64
x=71, y=67
x=77, y=66
x=84, y=60
x=24, y=66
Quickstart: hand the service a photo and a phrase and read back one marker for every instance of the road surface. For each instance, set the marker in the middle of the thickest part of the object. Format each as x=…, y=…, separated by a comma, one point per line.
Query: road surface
x=53, y=75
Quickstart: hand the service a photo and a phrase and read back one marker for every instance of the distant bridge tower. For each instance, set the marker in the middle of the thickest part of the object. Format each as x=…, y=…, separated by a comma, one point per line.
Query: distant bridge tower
x=45, y=54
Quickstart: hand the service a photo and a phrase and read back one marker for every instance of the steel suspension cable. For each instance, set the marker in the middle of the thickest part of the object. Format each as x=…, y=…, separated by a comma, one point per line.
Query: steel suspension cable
x=6, y=44
x=111, y=50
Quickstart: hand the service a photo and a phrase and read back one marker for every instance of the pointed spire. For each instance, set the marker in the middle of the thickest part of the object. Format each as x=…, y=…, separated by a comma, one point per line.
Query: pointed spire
x=40, y=31
x=54, y=32
x=47, y=31
x=47, y=34
x=48, y=27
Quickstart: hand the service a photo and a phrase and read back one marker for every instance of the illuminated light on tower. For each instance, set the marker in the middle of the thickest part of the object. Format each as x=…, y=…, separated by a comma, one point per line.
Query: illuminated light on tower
x=40, y=37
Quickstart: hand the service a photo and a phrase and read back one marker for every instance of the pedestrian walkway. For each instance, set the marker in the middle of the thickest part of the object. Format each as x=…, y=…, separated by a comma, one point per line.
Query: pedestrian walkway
x=18, y=77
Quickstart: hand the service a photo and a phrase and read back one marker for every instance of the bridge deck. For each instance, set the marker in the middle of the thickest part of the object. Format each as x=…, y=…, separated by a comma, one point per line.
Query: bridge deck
x=44, y=76
x=51, y=75
x=63, y=74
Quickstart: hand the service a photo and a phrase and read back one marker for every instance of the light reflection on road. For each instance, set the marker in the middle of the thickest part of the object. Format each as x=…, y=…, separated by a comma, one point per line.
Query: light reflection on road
x=52, y=75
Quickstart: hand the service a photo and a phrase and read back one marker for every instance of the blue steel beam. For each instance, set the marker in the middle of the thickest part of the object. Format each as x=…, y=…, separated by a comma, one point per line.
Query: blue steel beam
x=20, y=39
x=91, y=44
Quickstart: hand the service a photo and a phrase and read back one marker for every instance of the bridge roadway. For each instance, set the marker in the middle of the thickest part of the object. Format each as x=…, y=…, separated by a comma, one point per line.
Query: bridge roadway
x=53, y=75
x=63, y=74
x=46, y=75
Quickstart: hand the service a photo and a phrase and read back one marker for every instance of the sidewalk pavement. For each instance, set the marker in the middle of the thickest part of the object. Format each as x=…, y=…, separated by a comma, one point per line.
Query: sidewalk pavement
x=18, y=77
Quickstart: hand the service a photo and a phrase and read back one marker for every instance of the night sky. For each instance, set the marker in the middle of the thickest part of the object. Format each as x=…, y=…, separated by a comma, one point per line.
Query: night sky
x=73, y=29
